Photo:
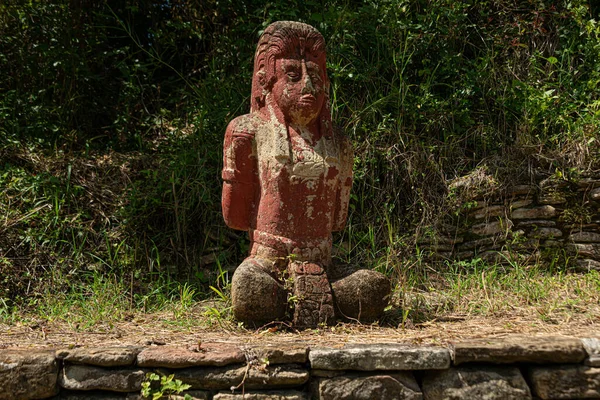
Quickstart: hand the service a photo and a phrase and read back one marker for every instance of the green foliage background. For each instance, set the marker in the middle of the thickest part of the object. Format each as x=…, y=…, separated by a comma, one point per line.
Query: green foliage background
x=112, y=116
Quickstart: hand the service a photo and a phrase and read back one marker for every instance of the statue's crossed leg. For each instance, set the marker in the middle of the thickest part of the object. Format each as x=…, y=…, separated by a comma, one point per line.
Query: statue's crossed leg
x=312, y=295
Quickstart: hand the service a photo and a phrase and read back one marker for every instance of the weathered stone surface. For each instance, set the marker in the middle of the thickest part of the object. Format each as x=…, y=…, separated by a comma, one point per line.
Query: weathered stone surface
x=595, y=194
x=102, y=356
x=270, y=377
x=554, y=243
x=487, y=242
x=552, y=198
x=583, y=250
x=401, y=385
x=565, y=382
x=27, y=374
x=538, y=222
x=520, y=203
x=587, y=265
x=84, y=377
x=546, y=233
x=209, y=354
x=585, y=237
x=287, y=177
x=490, y=383
x=279, y=354
x=546, y=211
x=592, y=348
x=96, y=395
x=361, y=295
x=265, y=395
x=489, y=212
x=519, y=349
x=492, y=228
x=380, y=357
x=587, y=183
x=324, y=373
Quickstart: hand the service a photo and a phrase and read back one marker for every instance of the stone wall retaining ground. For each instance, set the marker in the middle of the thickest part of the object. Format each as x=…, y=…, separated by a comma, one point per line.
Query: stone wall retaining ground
x=508, y=368
x=552, y=220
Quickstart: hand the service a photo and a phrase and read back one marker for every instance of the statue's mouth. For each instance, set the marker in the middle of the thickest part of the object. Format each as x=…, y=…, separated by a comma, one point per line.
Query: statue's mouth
x=308, y=98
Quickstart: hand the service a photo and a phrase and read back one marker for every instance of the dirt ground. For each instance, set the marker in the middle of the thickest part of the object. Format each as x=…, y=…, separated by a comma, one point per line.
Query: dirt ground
x=155, y=330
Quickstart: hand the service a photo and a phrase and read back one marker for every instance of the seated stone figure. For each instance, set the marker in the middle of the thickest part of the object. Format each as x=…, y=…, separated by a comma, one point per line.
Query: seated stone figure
x=287, y=180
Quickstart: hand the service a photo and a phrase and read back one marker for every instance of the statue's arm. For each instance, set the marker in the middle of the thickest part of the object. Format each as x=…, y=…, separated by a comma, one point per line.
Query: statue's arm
x=344, y=184
x=239, y=174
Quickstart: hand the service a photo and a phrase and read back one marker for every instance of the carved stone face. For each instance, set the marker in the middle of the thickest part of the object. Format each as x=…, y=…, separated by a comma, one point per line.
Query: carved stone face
x=299, y=89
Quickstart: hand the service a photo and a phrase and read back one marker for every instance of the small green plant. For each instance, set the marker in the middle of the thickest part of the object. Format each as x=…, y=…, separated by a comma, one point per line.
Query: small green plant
x=157, y=387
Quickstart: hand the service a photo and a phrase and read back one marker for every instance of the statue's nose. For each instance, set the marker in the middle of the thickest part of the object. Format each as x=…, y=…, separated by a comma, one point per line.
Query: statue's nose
x=308, y=87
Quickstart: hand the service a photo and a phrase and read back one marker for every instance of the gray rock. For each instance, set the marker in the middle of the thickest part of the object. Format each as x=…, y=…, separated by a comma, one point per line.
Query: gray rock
x=539, y=222
x=546, y=211
x=101, y=356
x=492, y=228
x=595, y=194
x=519, y=349
x=565, y=382
x=265, y=395
x=553, y=243
x=95, y=395
x=489, y=212
x=280, y=354
x=552, y=198
x=270, y=377
x=592, y=348
x=380, y=357
x=546, y=233
x=587, y=265
x=591, y=250
x=401, y=385
x=84, y=377
x=487, y=242
x=585, y=237
x=209, y=354
x=27, y=374
x=520, y=203
x=502, y=383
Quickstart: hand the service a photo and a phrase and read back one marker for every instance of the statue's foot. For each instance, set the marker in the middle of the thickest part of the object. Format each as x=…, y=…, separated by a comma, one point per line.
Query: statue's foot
x=256, y=294
x=313, y=301
x=361, y=294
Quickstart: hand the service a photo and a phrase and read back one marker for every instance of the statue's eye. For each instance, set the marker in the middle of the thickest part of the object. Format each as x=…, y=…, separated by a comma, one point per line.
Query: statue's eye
x=294, y=76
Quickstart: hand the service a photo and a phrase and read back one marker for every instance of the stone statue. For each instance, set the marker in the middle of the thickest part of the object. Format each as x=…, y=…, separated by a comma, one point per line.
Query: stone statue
x=287, y=180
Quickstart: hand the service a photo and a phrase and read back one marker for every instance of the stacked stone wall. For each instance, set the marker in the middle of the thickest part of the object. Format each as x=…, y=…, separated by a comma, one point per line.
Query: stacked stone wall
x=554, y=220
x=509, y=368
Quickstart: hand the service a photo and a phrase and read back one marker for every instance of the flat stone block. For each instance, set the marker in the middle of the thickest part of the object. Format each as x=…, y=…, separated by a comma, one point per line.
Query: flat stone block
x=96, y=395
x=401, y=385
x=565, y=382
x=591, y=250
x=519, y=349
x=380, y=357
x=27, y=374
x=209, y=354
x=282, y=354
x=102, y=356
x=84, y=377
x=271, y=377
x=490, y=383
x=492, y=228
x=265, y=395
x=585, y=237
x=546, y=211
x=592, y=348
x=587, y=265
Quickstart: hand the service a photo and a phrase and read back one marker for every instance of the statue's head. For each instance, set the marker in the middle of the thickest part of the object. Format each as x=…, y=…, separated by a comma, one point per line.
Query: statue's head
x=290, y=74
